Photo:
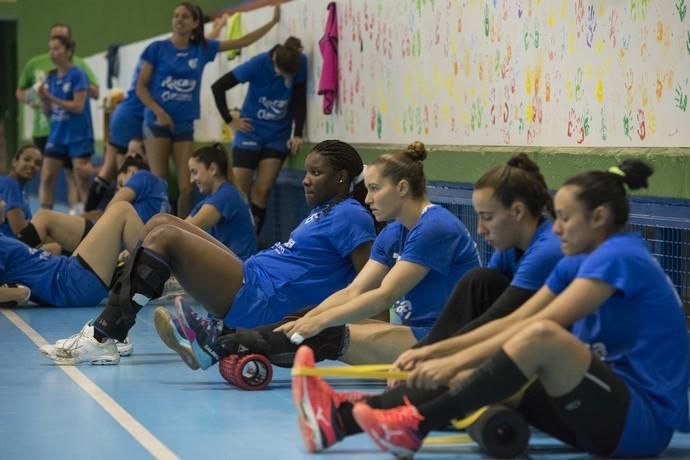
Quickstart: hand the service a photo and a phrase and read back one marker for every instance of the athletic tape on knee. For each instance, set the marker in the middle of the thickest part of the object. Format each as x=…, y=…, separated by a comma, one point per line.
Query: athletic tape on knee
x=29, y=236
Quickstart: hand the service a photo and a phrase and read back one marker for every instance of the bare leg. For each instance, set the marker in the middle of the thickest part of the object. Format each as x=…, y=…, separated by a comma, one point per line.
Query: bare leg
x=59, y=227
x=158, y=152
x=243, y=179
x=169, y=219
x=119, y=225
x=49, y=171
x=375, y=342
x=182, y=152
x=266, y=175
x=109, y=168
x=81, y=171
x=211, y=276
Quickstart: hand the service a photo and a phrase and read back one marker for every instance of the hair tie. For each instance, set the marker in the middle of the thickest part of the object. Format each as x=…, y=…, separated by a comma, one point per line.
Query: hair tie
x=617, y=171
x=358, y=179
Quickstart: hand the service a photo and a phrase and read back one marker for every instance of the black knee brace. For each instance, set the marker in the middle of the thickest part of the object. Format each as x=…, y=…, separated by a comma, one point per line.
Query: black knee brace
x=97, y=190
x=330, y=343
x=142, y=278
x=29, y=236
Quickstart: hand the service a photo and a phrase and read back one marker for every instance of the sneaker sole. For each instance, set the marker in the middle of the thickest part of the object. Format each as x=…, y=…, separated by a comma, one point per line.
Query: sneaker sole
x=311, y=433
x=106, y=361
x=166, y=331
x=363, y=421
x=127, y=352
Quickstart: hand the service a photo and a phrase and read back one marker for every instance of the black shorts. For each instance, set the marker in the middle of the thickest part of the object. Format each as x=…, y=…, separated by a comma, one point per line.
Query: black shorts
x=250, y=159
x=591, y=417
x=41, y=142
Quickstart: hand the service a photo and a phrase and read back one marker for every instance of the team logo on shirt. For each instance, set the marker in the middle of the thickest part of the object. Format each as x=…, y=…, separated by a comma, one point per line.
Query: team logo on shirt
x=403, y=308
x=272, y=109
x=193, y=63
x=178, y=89
x=280, y=248
x=66, y=87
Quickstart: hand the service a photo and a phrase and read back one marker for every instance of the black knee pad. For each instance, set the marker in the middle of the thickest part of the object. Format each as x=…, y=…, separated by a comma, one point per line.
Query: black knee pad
x=244, y=341
x=98, y=189
x=330, y=343
x=142, y=279
x=29, y=236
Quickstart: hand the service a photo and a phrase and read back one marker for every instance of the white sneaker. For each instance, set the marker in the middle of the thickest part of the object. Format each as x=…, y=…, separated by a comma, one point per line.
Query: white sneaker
x=125, y=348
x=86, y=349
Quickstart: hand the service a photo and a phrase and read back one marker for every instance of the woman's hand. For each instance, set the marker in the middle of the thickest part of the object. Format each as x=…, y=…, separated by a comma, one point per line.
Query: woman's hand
x=242, y=124
x=409, y=359
x=301, y=329
x=43, y=92
x=163, y=119
x=294, y=144
x=433, y=374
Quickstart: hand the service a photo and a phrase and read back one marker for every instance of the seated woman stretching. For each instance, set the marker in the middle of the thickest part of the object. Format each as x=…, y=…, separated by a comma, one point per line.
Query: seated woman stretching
x=605, y=340
x=414, y=264
x=322, y=255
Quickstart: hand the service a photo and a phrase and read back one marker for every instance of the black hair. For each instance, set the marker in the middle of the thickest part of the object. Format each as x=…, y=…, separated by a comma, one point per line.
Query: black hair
x=519, y=179
x=406, y=165
x=135, y=160
x=288, y=56
x=197, y=35
x=214, y=153
x=69, y=44
x=342, y=156
x=607, y=188
x=24, y=148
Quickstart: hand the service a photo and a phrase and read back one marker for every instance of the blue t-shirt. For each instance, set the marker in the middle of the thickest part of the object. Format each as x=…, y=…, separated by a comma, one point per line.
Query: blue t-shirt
x=235, y=228
x=439, y=242
x=53, y=280
x=132, y=101
x=640, y=331
x=268, y=99
x=315, y=261
x=14, y=195
x=176, y=79
x=68, y=127
x=151, y=194
x=531, y=269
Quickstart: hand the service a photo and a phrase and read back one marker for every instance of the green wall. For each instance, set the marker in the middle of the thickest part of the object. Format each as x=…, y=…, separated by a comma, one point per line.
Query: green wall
x=465, y=164
x=97, y=23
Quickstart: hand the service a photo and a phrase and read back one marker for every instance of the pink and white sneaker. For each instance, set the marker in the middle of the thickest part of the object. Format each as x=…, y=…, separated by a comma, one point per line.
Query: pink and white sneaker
x=394, y=430
x=316, y=404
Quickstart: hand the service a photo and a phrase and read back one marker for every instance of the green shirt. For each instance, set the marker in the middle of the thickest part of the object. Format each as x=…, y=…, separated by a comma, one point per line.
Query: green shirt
x=36, y=70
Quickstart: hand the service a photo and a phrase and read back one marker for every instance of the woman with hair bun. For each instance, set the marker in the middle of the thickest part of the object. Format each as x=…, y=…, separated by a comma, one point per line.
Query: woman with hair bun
x=264, y=133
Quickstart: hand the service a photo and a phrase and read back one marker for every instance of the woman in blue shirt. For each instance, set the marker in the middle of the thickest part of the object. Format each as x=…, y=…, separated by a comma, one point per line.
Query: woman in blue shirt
x=605, y=340
x=65, y=98
x=414, y=264
x=25, y=165
x=223, y=213
x=277, y=96
x=322, y=255
x=169, y=85
x=510, y=201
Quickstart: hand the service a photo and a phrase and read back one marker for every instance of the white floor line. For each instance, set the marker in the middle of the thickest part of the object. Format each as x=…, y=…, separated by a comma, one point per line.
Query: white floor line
x=143, y=436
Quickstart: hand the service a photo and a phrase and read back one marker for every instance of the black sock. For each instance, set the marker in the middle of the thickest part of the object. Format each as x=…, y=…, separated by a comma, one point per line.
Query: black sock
x=259, y=214
x=97, y=190
x=497, y=379
x=396, y=396
x=350, y=426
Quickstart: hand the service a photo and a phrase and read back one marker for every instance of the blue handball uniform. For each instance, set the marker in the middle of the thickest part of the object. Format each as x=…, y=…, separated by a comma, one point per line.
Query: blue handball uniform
x=439, y=242
x=530, y=269
x=151, y=194
x=176, y=80
x=640, y=333
x=267, y=104
x=14, y=195
x=313, y=264
x=128, y=118
x=235, y=228
x=54, y=280
x=71, y=134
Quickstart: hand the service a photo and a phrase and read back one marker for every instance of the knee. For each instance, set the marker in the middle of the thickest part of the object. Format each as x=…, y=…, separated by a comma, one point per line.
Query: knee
x=158, y=220
x=543, y=334
x=82, y=169
x=159, y=238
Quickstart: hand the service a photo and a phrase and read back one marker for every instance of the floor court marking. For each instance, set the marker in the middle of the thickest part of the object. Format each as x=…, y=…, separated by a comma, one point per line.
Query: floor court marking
x=143, y=436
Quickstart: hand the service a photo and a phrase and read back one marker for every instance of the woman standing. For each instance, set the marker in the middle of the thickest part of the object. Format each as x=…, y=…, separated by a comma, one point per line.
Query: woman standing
x=169, y=85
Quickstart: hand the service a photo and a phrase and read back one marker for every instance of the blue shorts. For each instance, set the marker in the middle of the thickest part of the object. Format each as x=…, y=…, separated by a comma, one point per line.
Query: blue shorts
x=248, y=141
x=184, y=131
x=251, y=306
x=80, y=285
x=83, y=149
x=125, y=124
x=643, y=434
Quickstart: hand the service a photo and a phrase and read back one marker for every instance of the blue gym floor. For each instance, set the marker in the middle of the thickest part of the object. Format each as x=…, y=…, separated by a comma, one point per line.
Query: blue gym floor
x=153, y=405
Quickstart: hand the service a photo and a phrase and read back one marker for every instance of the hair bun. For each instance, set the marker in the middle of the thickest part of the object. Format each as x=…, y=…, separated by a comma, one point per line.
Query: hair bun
x=416, y=151
x=522, y=161
x=293, y=43
x=636, y=173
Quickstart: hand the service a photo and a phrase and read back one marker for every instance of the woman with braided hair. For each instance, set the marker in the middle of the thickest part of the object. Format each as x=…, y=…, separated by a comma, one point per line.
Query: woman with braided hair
x=322, y=255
